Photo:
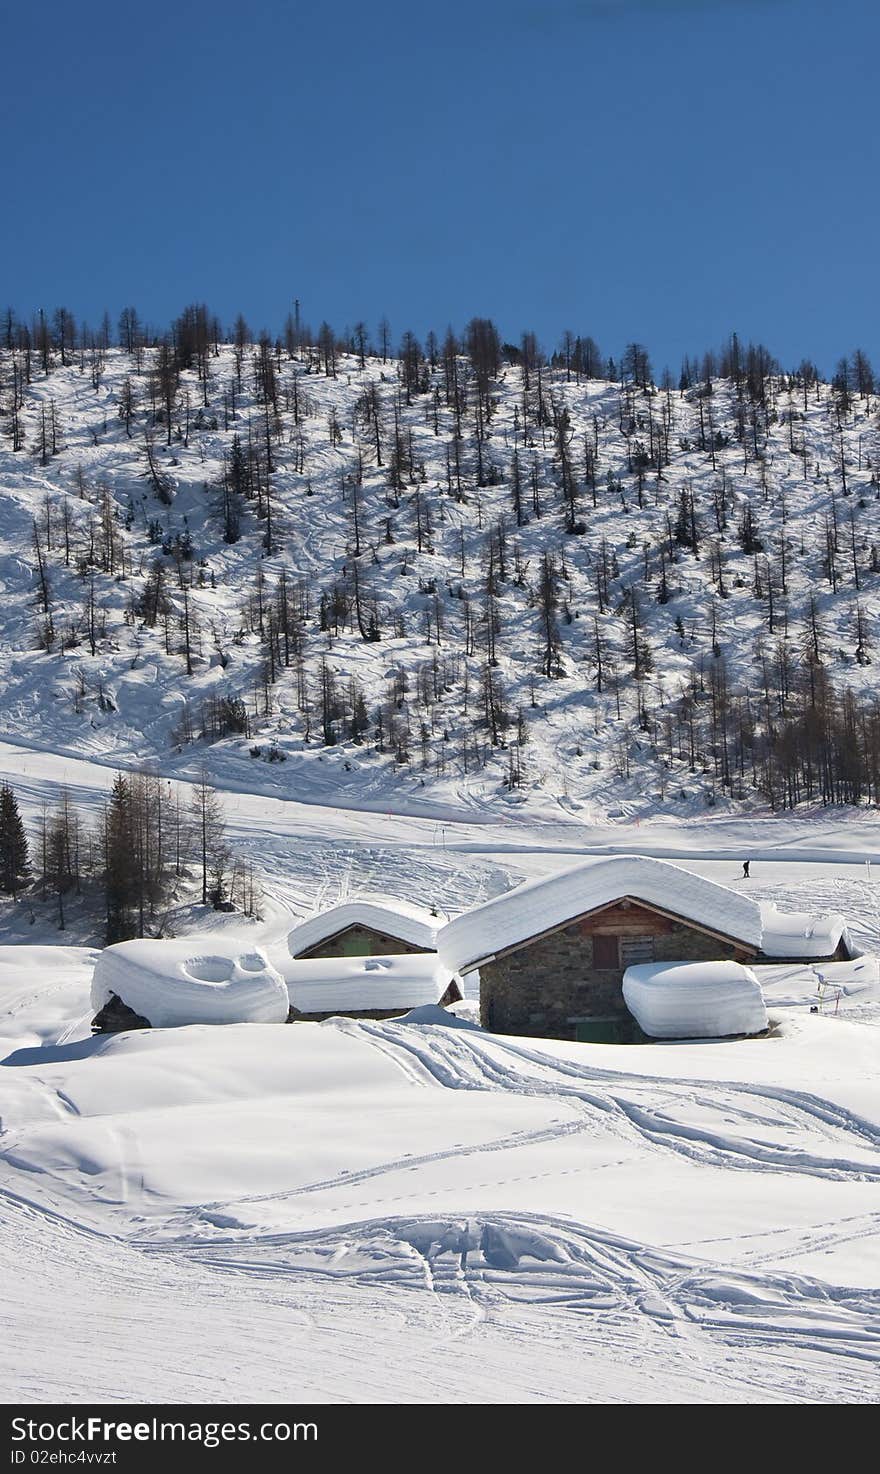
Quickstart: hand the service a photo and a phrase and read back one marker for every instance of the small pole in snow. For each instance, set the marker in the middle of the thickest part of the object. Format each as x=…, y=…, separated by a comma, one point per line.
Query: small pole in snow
x=872, y=896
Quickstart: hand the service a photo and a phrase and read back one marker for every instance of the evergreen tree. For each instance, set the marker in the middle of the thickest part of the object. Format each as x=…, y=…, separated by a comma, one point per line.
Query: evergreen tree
x=119, y=870
x=14, y=864
x=207, y=812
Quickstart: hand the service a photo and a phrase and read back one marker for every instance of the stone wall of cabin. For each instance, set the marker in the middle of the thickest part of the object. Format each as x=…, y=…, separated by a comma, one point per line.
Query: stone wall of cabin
x=543, y=987
x=373, y=943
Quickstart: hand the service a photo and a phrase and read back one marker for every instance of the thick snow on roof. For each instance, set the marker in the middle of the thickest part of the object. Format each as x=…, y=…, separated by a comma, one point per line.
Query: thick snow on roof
x=798, y=934
x=191, y=980
x=542, y=904
x=346, y=984
x=694, y=1000
x=396, y=918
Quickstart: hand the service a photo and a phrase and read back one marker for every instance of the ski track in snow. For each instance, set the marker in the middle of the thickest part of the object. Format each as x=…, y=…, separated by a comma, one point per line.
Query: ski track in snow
x=575, y=1267
x=605, y=1318
x=463, y=1061
x=602, y=1311
x=388, y=1302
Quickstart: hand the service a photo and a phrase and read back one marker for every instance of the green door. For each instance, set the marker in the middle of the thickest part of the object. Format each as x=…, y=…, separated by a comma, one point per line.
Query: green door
x=355, y=944
x=601, y=1031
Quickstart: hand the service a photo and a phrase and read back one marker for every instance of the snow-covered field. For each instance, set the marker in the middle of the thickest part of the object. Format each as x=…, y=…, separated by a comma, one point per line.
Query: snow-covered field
x=363, y=1211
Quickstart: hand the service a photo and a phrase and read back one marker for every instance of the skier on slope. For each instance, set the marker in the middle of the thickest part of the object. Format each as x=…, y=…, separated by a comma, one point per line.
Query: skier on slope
x=746, y=864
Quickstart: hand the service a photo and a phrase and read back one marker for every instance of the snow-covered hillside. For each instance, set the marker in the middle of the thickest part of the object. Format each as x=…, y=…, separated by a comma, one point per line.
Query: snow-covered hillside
x=521, y=586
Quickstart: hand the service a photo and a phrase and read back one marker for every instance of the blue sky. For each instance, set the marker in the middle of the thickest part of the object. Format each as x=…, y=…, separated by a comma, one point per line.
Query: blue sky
x=666, y=170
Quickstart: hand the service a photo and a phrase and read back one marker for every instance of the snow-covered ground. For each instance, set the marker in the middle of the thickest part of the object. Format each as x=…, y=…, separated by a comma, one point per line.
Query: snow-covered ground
x=400, y=1212
x=406, y=1211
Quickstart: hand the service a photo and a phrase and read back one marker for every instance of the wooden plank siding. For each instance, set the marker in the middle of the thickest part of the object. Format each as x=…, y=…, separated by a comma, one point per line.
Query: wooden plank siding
x=361, y=941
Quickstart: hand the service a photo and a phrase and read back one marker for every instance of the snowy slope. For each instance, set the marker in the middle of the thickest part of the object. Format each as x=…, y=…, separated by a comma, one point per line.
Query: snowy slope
x=423, y=551
x=662, y=1223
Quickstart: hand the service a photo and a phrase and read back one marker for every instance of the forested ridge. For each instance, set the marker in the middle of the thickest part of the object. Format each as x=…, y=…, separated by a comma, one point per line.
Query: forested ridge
x=461, y=564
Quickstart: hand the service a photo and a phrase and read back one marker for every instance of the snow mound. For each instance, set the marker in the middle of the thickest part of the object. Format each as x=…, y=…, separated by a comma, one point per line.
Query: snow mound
x=797, y=934
x=191, y=980
x=403, y=980
x=433, y=1014
x=540, y=905
x=391, y=916
x=467, y=1009
x=694, y=1000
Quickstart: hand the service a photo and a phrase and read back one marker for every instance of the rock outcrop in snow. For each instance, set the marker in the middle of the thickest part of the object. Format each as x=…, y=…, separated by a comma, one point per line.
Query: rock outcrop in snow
x=191, y=980
x=694, y=1000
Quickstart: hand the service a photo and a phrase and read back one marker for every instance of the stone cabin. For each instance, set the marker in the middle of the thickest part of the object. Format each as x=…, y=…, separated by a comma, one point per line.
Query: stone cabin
x=365, y=928
x=552, y=953
x=568, y=983
x=366, y=958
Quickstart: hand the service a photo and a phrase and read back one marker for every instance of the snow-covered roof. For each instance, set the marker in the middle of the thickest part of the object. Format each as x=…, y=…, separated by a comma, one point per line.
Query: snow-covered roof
x=191, y=980
x=541, y=905
x=344, y=984
x=799, y=934
x=694, y=1000
x=394, y=917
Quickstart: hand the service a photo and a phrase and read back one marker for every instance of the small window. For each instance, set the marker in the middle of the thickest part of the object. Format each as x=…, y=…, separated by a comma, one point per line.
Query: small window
x=605, y=952
x=636, y=949
x=355, y=943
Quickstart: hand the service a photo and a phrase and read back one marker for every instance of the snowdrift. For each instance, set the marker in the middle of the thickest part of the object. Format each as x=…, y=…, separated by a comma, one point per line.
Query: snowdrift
x=430, y=1014
x=192, y=980
x=694, y=1000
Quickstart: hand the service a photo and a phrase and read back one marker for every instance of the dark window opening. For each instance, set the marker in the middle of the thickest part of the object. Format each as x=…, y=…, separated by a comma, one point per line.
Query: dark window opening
x=605, y=951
